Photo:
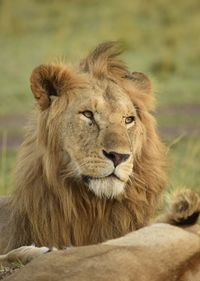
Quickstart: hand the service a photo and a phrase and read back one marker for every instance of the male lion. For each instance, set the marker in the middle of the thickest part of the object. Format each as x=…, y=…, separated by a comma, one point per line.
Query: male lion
x=92, y=166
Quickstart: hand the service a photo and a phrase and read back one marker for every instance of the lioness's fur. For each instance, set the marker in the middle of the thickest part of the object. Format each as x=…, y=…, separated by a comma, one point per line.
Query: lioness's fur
x=158, y=252
x=67, y=190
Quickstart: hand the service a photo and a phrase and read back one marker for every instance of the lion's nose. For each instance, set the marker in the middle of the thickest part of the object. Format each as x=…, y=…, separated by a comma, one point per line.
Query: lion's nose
x=115, y=157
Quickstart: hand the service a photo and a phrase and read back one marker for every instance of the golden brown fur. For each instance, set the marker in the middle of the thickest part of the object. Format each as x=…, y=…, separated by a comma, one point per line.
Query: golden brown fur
x=158, y=252
x=52, y=204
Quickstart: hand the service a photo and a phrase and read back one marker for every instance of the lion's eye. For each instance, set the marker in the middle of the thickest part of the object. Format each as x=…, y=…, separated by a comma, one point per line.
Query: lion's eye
x=88, y=114
x=129, y=120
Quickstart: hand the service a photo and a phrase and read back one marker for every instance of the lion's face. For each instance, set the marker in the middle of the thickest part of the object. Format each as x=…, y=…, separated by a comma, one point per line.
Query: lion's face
x=101, y=132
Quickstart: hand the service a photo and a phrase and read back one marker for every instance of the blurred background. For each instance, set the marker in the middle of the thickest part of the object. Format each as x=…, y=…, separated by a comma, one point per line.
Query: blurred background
x=162, y=39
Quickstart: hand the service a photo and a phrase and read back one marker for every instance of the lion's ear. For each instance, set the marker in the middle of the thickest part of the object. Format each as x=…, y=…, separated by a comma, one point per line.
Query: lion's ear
x=142, y=88
x=142, y=82
x=50, y=80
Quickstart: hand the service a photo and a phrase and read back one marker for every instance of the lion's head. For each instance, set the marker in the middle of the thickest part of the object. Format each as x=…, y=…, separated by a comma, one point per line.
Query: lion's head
x=92, y=165
x=95, y=114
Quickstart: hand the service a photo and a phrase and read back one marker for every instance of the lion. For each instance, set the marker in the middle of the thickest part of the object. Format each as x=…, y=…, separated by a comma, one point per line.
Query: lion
x=157, y=252
x=92, y=166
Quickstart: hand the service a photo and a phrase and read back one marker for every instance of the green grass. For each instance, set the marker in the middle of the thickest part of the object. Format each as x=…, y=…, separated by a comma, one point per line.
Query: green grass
x=184, y=164
x=161, y=37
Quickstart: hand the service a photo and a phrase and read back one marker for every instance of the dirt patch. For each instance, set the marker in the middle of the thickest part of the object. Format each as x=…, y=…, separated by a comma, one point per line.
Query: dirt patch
x=11, y=134
x=12, y=141
x=171, y=132
x=192, y=108
x=13, y=121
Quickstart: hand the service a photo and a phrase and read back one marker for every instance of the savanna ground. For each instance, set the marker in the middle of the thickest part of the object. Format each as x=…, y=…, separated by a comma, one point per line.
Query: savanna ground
x=162, y=39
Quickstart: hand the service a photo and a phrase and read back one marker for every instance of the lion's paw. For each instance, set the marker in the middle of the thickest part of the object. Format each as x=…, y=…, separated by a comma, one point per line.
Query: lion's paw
x=26, y=253
x=184, y=207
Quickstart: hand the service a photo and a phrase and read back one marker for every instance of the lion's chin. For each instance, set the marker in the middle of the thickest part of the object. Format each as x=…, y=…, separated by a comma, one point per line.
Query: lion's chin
x=109, y=187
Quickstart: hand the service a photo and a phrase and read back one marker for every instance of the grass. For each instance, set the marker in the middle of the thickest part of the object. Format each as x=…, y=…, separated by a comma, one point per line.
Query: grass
x=6, y=271
x=162, y=39
x=184, y=164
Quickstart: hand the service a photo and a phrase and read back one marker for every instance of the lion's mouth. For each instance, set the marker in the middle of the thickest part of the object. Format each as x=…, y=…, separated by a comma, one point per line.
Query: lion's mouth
x=87, y=179
x=110, y=186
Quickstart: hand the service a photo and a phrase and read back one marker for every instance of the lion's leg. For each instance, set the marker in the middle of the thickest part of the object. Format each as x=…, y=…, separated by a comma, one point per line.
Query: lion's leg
x=23, y=255
x=183, y=209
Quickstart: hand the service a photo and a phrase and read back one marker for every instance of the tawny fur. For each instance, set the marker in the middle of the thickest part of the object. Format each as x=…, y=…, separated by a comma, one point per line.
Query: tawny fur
x=50, y=207
x=126, y=256
x=183, y=208
x=159, y=252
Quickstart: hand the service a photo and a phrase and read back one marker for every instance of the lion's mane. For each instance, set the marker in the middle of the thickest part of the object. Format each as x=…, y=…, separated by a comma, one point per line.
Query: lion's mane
x=49, y=207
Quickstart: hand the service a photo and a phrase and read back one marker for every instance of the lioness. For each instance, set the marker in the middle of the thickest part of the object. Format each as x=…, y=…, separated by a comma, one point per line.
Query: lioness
x=160, y=252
